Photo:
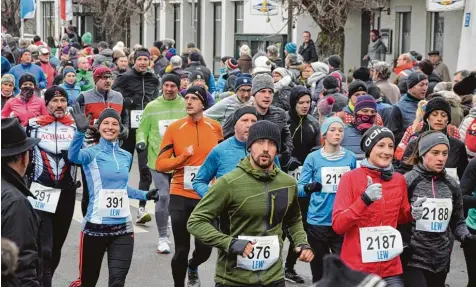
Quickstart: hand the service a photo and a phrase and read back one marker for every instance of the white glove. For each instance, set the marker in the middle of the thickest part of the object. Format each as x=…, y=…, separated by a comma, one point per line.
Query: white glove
x=417, y=208
x=374, y=190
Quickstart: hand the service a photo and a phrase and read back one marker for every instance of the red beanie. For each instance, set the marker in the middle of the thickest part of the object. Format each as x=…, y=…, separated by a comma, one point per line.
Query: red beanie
x=100, y=71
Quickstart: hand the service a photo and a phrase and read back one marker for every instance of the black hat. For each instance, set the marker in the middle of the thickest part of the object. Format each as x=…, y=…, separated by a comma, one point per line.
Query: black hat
x=362, y=74
x=334, y=61
x=243, y=111
x=55, y=91
x=414, y=78
x=466, y=86
x=437, y=104
x=434, y=53
x=375, y=92
x=372, y=136
x=416, y=55
x=330, y=82
x=200, y=92
x=197, y=75
x=108, y=113
x=357, y=86
x=264, y=130
x=14, y=138
x=194, y=56
x=169, y=77
x=27, y=77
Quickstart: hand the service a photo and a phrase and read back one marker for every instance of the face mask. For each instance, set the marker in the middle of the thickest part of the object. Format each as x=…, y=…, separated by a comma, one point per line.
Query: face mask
x=364, y=122
x=26, y=93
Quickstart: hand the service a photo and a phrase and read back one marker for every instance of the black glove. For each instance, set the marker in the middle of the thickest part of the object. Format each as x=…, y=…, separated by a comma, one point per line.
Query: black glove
x=140, y=146
x=312, y=187
x=470, y=238
x=238, y=246
x=82, y=122
x=293, y=163
x=153, y=194
x=124, y=133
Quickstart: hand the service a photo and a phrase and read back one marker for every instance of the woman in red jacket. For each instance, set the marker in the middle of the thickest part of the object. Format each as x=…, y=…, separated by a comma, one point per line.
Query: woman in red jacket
x=370, y=202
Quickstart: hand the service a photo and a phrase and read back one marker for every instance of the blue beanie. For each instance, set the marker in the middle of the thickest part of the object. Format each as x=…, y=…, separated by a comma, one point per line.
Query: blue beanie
x=291, y=48
x=328, y=122
x=68, y=70
x=242, y=80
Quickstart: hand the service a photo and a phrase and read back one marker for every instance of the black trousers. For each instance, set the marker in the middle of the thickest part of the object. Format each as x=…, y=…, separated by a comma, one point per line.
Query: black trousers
x=292, y=256
x=119, y=256
x=54, y=231
x=145, y=179
x=416, y=277
x=180, y=209
x=279, y=283
x=469, y=249
x=323, y=240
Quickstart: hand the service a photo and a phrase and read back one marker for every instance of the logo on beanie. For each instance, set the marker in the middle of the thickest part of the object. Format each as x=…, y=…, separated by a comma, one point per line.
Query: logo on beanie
x=374, y=134
x=245, y=81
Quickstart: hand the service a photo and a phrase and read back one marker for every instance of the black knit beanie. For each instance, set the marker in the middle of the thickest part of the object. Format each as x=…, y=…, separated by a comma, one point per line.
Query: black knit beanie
x=54, y=91
x=437, y=104
x=27, y=77
x=108, y=113
x=264, y=130
x=200, y=92
x=372, y=136
x=243, y=111
x=169, y=77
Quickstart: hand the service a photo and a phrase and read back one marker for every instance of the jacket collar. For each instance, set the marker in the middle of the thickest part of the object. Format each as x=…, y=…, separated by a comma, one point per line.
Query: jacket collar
x=423, y=171
x=200, y=121
x=109, y=145
x=259, y=175
x=24, y=66
x=12, y=177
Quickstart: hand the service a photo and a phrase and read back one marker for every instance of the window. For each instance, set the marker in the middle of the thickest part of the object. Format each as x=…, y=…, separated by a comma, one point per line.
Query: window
x=437, y=31
x=48, y=9
x=404, y=31
x=177, y=26
x=156, y=21
x=239, y=12
x=217, y=26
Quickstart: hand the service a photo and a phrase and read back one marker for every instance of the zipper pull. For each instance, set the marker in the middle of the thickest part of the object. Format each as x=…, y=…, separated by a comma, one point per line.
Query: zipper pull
x=273, y=198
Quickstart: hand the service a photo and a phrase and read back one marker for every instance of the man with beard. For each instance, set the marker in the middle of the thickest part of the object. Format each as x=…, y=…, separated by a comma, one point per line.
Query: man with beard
x=55, y=189
x=248, y=245
x=138, y=86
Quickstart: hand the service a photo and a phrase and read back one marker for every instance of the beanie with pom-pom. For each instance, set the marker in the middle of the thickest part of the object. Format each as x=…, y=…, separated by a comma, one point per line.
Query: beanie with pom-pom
x=325, y=105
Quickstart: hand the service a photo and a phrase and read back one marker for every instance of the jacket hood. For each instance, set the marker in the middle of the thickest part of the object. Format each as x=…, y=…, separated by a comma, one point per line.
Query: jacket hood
x=316, y=77
x=453, y=99
x=106, y=52
x=434, y=77
x=284, y=82
x=260, y=175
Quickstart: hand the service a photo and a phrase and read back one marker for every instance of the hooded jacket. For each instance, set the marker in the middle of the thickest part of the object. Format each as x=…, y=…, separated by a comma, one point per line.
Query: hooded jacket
x=24, y=111
x=431, y=251
x=282, y=93
x=268, y=203
x=22, y=225
x=304, y=130
x=85, y=80
x=104, y=58
x=350, y=213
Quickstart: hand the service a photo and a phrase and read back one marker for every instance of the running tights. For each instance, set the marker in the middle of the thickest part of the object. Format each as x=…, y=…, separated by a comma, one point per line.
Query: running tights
x=416, y=277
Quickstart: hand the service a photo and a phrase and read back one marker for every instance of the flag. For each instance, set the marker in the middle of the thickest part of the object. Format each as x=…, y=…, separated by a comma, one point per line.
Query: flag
x=66, y=10
x=27, y=9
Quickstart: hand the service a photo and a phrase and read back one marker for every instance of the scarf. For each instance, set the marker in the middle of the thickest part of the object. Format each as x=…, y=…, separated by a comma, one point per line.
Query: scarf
x=385, y=173
x=401, y=68
x=26, y=93
x=69, y=86
x=48, y=119
x=351, y=106
x=364, y=122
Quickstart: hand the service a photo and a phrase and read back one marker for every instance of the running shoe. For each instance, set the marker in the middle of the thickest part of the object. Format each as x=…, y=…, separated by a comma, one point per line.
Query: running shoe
x=291, y=276
x=142, y=216
x=163, y=247
x=193, y=280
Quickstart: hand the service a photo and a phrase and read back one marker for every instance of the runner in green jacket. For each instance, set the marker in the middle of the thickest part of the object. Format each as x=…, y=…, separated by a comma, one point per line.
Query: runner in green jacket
x=254, y=201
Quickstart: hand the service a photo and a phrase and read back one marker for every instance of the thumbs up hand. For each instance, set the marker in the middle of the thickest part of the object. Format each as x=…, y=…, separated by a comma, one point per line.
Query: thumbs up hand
x=374, y=190
x=417, y=208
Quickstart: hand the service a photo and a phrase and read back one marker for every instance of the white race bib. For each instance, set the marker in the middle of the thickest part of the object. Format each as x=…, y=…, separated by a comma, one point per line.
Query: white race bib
x=264, y=255
x=296, y=173
x=163, y=125
x=380, y=243
x=436, y=215
x=189, y=175
x=330, y=177
x=453, y=172
x=46, y=197
x=113, y=203
x=136, y=116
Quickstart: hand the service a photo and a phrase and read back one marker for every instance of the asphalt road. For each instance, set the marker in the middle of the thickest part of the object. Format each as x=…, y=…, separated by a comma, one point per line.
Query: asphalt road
x=152, y=269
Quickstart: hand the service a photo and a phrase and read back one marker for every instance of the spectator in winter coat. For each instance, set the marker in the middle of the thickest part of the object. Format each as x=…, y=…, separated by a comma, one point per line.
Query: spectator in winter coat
x=332, y=89
x=48, y=68
x=427, y=182
x=8, y=85
x=262, y=65
x=84, y=75
x=380, y=74
x=121, y=64
x=308, y=48
x=25, y=67
x=383, y=109
x=104, y=58
x=403, y=68
x=403, y=113
x=221, y=82
x=464, y=130
x=244, y=61
x=70, y=85
x=440, y=68
x=272, y=53
x=282, y=88
x=315, y=81
x=26, y=104
x=376, y=49
x=195, y=65
x=232, y=72
x=359, y=204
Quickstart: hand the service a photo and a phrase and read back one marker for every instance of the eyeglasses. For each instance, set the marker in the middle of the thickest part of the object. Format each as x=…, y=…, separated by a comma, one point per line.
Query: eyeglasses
x=107, y=77
x=245, y=91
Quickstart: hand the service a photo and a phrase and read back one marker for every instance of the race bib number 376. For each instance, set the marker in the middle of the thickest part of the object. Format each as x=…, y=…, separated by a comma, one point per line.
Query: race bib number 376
x=380, y=243
x=264, y=255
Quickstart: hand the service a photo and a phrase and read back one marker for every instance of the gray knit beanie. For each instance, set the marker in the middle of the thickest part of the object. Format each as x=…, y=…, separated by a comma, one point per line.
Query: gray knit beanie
x=430, y=140
x=264, y=130
x=261, y=82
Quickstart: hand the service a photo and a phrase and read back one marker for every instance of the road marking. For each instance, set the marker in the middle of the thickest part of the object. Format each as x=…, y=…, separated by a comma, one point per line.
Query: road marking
x=78, y=216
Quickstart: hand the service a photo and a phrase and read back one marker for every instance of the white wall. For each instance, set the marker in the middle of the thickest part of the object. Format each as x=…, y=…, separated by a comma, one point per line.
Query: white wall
x=467, y=51
x=304, y=23
x=256, y=24
x=228, y=27
x=353, y=36
x=452, y=36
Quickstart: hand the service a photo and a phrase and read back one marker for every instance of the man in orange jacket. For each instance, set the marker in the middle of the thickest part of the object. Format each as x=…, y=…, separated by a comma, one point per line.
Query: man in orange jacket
x=185, y=145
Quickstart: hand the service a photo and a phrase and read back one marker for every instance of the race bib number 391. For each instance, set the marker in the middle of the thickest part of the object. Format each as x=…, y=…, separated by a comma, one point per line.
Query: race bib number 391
x=380, y=243
x=113, y=203
x=136, y=117
x=46, y=197
x=436, y=215
x=264, y=255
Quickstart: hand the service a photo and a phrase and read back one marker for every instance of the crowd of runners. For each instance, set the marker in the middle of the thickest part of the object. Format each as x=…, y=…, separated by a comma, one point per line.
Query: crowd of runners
x=370, y=175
